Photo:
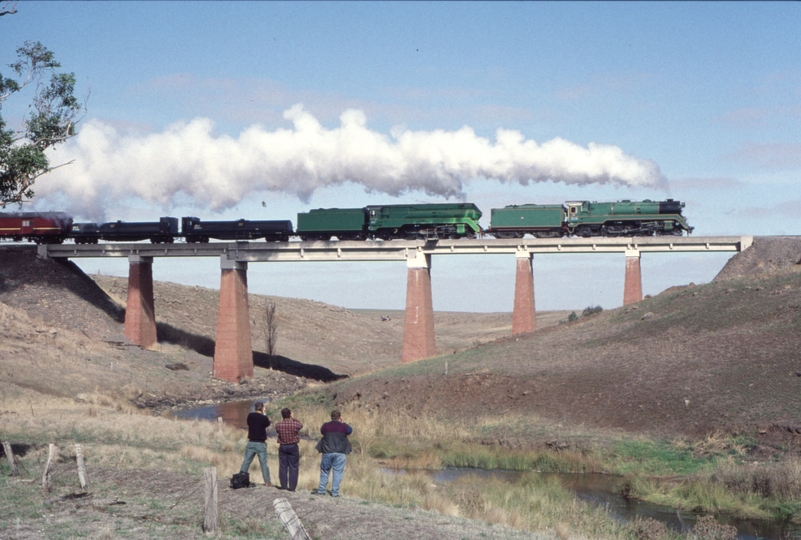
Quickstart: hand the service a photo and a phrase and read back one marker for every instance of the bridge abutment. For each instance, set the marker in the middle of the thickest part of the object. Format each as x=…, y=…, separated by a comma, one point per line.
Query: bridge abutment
x=140, y=312
x=418, y=324
x=524, y=317
x=632, y=289
x=233, y=352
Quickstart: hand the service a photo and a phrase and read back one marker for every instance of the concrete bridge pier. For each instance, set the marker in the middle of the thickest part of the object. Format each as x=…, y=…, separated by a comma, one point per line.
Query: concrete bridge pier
x=418, y=325
x=233, y=352
x=632, y=289
x=524, y=317
x=140, y=313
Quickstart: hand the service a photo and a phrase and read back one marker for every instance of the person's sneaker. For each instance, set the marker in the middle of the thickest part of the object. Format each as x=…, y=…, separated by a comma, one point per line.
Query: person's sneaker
x=279, y=487
x=315, y=492
x=335, y=494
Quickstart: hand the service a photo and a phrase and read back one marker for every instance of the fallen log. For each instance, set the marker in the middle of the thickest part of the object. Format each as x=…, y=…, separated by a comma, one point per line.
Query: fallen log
x=290, y=520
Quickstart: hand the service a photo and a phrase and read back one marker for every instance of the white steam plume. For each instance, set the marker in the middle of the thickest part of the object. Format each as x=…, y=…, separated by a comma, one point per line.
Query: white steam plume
x=218, y=171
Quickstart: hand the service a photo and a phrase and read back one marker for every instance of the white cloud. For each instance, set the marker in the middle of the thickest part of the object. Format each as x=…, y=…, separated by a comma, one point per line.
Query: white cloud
x=188, y=160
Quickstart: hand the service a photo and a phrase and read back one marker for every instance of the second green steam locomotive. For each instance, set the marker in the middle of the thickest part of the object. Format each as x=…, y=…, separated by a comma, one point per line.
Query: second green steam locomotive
x=391, y=221
x=460, y=220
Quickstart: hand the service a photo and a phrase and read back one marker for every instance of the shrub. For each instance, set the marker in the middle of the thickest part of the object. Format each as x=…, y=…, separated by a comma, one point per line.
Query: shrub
x=591, y=310
x=648, y=529
x=572, y=317
x=706, y=528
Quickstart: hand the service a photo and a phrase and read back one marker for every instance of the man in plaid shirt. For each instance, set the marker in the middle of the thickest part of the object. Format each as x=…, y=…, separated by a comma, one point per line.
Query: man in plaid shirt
x=288, y=452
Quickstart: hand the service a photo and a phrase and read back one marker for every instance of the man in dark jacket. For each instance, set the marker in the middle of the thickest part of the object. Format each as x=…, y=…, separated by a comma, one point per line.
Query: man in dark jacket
x=334, y=446
x=257, y=437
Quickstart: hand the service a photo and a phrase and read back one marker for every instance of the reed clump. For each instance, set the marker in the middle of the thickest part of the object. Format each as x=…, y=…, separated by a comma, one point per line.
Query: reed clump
x=747, y=490
x=403, y=440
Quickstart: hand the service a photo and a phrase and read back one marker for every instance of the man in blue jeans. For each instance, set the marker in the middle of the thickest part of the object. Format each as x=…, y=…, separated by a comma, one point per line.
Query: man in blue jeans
x=257, y=445
x=334, y=446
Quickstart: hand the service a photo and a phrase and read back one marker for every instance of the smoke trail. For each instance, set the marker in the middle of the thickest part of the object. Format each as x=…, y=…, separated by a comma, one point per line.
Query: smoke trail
x=218, y=171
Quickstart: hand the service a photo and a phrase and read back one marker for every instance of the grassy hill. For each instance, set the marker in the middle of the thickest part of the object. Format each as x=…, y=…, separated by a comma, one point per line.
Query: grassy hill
x=697, y=359
x=694, y=359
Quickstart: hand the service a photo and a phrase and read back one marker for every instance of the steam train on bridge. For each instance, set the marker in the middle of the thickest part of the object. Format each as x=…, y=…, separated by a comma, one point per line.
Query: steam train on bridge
x=383, y=222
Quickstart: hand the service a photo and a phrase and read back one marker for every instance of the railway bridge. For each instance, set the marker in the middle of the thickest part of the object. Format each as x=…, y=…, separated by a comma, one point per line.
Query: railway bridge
x=233, y=354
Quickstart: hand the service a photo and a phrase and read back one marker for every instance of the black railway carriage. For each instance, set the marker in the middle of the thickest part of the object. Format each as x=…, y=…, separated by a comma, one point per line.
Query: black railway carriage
x=195, y=230
x=85, y=233
x=163, y=231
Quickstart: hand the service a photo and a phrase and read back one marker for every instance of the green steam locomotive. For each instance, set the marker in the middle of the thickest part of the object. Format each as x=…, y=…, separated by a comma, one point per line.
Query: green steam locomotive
x=391, y=221
x=584, y=218
x=460, y=220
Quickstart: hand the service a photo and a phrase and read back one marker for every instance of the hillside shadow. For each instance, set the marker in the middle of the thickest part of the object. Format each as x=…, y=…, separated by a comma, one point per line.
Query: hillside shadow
x=293, y=367
x=21, y=268
x=166, y=333
x=93, y=293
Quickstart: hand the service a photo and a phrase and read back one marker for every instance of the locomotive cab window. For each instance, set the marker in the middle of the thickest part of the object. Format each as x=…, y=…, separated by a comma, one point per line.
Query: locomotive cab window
x=27, y=223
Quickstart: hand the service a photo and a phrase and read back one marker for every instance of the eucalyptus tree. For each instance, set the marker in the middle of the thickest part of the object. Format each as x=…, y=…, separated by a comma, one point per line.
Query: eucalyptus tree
x=49, y=119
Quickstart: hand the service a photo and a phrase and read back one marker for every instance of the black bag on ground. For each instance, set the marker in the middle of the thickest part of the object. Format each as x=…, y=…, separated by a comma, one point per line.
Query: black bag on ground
x=240, y=480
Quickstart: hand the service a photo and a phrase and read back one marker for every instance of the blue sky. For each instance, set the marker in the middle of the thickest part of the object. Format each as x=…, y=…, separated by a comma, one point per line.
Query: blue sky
x=188, y=101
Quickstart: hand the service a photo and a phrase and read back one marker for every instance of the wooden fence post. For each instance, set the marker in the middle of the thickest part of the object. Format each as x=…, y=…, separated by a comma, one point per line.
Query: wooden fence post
x=210, y=497
x=81, y=466
x=290, y=520
x=10, y=457
x=51, y=452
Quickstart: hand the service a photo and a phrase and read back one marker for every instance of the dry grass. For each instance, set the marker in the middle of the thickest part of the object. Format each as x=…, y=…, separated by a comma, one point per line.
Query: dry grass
x=716, y=443
x=114, y=433
x=781, y=480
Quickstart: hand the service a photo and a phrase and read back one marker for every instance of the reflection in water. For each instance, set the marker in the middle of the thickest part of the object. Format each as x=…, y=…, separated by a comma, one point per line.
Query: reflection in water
x=233, y=413
x=602, y=490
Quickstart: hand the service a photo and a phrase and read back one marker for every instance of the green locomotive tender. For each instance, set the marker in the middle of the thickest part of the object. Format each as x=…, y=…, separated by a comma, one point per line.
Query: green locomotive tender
x=584, y=218
x=409, y=221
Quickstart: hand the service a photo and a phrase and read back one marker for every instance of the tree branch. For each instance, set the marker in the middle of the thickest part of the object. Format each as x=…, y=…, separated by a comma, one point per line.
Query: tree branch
x=6, y=10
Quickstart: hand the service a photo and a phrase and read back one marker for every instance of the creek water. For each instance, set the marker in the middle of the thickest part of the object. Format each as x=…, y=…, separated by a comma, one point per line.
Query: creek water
x=602, y=490
x=599, y=489
x=233, y=413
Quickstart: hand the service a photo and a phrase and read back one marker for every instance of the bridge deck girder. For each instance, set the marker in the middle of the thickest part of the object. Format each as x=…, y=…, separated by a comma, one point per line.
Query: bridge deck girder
x=396, y=250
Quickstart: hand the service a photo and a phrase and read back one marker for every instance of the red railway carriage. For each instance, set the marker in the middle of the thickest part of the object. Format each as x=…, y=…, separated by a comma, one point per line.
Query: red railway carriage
x=39, y=227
